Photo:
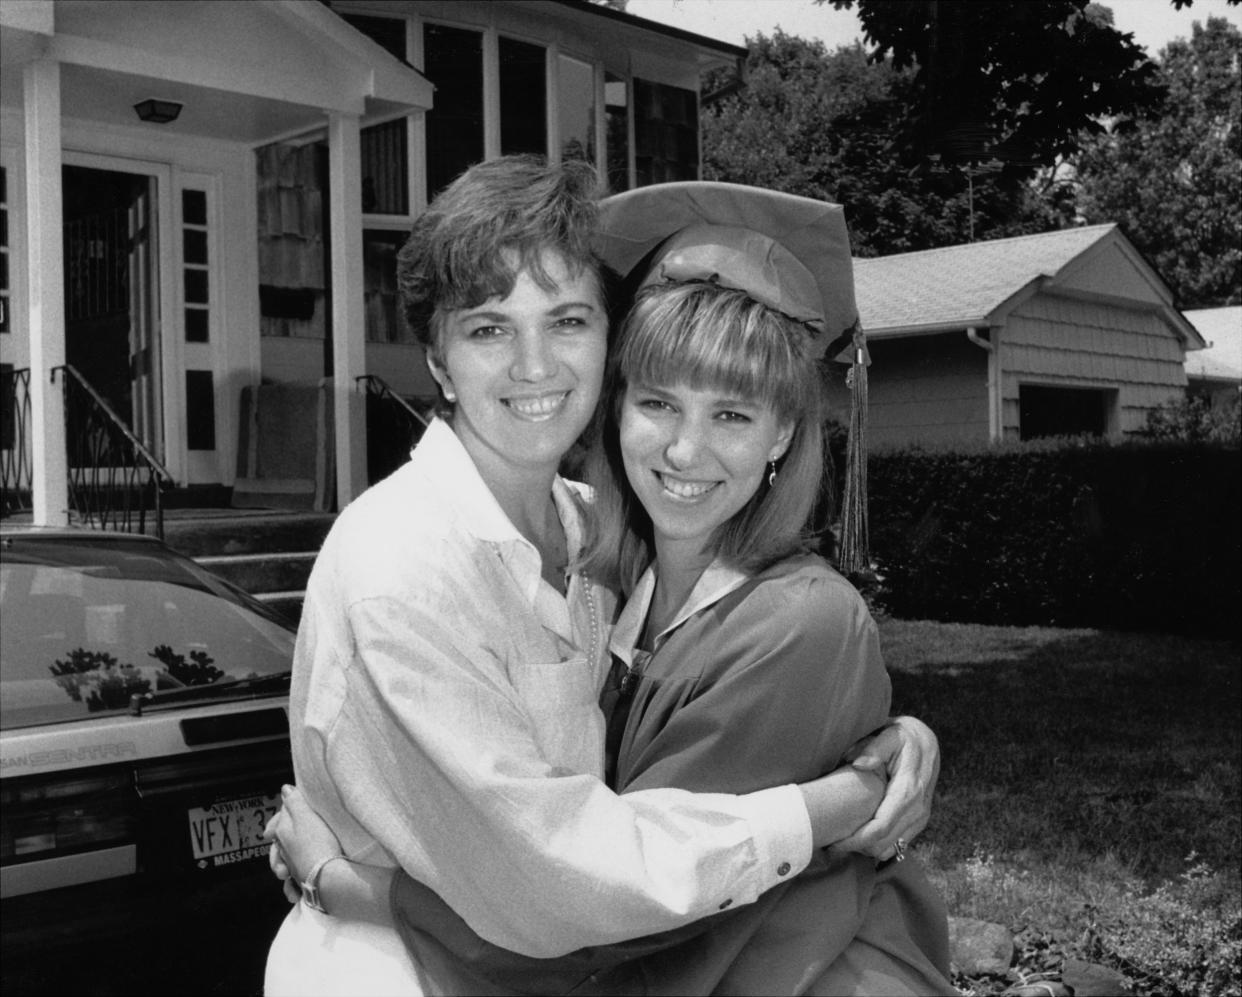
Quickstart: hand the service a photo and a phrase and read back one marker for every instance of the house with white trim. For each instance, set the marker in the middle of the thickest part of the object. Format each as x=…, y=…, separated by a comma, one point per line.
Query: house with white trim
x=202, y=199
x=1059, y=333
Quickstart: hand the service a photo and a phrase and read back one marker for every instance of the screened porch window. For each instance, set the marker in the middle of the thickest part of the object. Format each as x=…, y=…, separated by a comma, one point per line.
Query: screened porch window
x=385, y=157
x=453, y=61
x=381, y=301
x=385, y=169
x=523, y=97
x=666, y=133
x=617, y=123
x=576, y=82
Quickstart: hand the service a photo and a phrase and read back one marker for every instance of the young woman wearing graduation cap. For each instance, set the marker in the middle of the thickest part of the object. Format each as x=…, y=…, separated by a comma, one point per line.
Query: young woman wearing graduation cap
x=747, y=662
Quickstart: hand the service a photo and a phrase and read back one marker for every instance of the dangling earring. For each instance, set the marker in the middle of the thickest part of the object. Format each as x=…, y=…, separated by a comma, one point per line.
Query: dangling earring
x=771, y=473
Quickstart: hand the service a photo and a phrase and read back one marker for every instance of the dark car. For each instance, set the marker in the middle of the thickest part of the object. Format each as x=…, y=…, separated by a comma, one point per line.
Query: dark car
x=144, y=737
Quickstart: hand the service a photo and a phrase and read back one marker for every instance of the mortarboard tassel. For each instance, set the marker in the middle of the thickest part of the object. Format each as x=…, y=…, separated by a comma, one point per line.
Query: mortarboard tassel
x=855, y=554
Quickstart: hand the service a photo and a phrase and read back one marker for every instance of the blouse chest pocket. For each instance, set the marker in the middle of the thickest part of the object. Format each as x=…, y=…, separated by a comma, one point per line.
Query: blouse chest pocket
x=562, y=702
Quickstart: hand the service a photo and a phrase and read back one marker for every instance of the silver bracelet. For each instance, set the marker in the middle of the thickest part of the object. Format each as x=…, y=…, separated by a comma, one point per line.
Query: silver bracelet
x=310, y=885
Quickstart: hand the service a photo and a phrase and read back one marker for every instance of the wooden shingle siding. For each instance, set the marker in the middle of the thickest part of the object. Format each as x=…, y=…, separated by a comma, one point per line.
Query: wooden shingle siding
x=1074, y=343
x=928, y=388
x=1110, y=269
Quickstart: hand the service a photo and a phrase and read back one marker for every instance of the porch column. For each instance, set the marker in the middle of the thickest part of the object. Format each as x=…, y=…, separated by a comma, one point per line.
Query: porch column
x=348, y=316
x=50, y=460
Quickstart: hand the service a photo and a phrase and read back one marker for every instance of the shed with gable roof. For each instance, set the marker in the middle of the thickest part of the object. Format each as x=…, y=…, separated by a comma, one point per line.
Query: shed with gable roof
x=1060, y=333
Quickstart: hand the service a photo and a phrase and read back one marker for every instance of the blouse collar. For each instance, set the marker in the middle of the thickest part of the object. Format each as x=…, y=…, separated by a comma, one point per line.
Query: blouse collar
x=446, y=462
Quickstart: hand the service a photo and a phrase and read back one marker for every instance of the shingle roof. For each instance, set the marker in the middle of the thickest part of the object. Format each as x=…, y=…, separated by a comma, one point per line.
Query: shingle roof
x=961, y=284
x=1222, y=327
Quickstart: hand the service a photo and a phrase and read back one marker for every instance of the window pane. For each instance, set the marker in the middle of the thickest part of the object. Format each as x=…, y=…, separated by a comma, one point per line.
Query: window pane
x=1051, y=411
x=577, y=110
x=384, y=169
x=454, y=63
x=666, y=133
x=384, y=321
x=196, y=325
x=195, y=246
x=616, y=117
x=196, y=287
x=200, y=410
x=523, y=98
x=194, y=207
x=292, y=234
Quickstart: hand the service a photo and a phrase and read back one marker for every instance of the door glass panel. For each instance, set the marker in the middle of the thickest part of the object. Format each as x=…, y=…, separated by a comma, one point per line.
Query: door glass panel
x=194, y=263
x=4, y=251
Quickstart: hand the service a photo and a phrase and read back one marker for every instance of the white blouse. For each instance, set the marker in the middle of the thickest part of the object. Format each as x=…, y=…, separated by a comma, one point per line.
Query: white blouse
x=444, y=719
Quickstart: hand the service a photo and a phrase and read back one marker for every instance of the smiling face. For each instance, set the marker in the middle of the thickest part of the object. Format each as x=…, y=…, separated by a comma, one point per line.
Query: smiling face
x=694, y=458
x=524, y=371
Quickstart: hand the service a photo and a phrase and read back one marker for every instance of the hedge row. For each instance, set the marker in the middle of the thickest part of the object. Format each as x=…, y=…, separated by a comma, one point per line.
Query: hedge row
x=1062, y=533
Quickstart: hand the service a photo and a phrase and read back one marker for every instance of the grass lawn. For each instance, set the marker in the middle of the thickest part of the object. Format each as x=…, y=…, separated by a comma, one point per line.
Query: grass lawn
x=1090, y=794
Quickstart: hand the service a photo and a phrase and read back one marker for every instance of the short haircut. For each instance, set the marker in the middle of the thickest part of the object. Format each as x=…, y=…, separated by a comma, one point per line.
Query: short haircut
x=705, y=336
x=492, y=223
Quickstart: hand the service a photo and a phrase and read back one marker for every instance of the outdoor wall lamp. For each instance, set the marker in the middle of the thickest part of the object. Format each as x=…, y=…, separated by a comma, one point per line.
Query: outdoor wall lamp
x=158, y=112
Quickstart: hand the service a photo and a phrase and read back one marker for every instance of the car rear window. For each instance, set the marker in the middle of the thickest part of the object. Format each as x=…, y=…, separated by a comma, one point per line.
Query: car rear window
x=88, y=624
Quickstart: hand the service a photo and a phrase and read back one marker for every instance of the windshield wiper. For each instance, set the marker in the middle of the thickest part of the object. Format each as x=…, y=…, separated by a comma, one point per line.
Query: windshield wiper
x=255, y=685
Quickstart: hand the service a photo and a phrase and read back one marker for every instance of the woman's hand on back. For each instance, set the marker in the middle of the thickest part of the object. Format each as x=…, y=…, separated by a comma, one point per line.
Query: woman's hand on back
x=907, y=750
x=299, y=838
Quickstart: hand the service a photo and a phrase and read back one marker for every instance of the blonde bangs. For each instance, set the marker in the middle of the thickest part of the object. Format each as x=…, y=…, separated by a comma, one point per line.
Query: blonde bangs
x=706, y=337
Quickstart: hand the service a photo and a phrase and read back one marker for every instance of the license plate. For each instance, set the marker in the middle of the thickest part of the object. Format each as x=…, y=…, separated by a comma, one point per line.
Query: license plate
x=230, y=831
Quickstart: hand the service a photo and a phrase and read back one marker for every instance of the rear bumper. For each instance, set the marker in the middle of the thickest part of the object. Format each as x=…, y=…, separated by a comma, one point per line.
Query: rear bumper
x=192, y=936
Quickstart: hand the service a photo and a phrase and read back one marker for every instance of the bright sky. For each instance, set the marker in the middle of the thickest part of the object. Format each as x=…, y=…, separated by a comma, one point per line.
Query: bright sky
x=1154, y=23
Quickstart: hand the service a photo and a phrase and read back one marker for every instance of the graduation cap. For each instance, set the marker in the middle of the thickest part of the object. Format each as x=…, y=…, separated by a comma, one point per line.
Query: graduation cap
x=788, y=252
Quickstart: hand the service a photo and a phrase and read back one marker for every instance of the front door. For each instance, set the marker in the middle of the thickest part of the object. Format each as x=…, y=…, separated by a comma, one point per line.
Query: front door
x=112, y=293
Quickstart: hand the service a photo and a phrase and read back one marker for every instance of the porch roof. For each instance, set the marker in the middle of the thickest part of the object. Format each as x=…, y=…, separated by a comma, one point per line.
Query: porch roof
x=245, y=70
x=708, y=51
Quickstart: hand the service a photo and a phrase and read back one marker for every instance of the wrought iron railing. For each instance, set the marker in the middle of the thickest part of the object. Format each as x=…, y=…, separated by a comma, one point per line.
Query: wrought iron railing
x=16, y=469
x=393, y=426
x=115, y=482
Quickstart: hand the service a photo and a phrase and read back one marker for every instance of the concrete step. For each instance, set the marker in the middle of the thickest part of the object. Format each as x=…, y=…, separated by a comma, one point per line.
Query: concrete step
x=280, y=571
x=268, y=553
x=204, y=533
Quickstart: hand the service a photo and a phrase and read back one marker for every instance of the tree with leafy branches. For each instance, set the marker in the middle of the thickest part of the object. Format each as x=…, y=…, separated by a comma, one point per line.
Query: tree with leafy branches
x=1011, y=81
x=834, y=126
x=1173, y=178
